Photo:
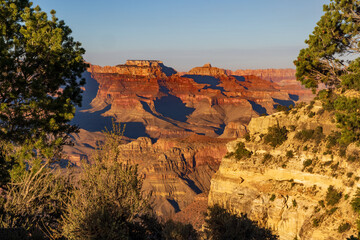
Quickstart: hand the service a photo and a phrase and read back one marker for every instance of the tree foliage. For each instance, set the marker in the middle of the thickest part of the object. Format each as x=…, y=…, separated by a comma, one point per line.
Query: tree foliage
x=40, y=64
x=334, y=39
x=276, y=135
x=332, y=58
x=240, y=152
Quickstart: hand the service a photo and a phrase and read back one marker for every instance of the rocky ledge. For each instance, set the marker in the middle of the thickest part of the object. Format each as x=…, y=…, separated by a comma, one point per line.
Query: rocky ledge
x=301, y=189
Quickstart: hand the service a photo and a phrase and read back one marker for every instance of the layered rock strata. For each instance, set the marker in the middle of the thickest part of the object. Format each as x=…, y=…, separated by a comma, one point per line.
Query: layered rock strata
x=286, y=188
x=159, y=103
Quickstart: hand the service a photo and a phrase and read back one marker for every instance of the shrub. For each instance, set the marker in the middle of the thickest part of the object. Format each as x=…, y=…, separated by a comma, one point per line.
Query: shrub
x=281, y=108
x=289, y=154
x=276, y=135
x=316, y=222
x=307, y=163
x=240, y=152
x=311, y=114
x=247, y=137
x=332, y=139
x=267, y=157
x=310, y=134
x=33, y=202
x=355, y=203
x=294, y=203
x=349, y=174
x=332, y=196
x=346, y=197
x=37, y=203
x=272, y=198
x=321, y=111
x=178, y=231
x=353, y=157
x=332, y=210
x=107, y=202
x=322, y=203
x=344, y=227
x=221, y=224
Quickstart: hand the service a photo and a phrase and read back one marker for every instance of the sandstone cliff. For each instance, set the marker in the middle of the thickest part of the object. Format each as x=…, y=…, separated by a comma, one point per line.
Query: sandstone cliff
x=287, y=188
x=156, y=102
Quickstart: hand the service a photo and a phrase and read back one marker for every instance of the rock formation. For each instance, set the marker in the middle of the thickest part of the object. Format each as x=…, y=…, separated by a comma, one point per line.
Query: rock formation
x=286, y=188
x=156, y=102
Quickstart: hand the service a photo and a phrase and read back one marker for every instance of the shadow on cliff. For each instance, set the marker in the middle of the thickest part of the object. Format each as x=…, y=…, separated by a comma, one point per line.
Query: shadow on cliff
x=294, y=97
x=167, y=70
x=239, y=78
x=91, y=89
x=258, y=108
x=285, y=103
x=134, y=130
x=91, y=121
x=172, y=107
x=212, y=82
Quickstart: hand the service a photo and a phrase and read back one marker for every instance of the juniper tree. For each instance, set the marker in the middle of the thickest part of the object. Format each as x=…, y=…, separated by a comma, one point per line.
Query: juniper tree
x=40, y=68
x=332, y=58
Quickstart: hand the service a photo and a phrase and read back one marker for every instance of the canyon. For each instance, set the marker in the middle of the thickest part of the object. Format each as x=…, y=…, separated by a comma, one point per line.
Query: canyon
x=176, y=125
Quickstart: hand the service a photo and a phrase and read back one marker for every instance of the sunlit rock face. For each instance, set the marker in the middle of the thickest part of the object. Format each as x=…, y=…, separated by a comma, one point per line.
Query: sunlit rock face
x=289, y=193
x=156, y=102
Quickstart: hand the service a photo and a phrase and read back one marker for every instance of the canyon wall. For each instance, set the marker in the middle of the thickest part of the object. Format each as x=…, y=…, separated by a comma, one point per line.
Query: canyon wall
x=157, y=102
x=287, y=188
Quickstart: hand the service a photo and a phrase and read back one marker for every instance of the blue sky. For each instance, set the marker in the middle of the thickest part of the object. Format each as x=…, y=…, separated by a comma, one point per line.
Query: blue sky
x=232, y=34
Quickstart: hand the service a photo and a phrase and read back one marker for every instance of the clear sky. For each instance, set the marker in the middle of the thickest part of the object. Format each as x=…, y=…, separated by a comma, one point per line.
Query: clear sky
x=232, y=34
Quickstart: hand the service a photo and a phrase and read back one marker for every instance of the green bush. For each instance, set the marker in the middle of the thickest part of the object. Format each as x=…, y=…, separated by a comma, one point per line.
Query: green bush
x=289, y=154
x=281, y=108
x=332, y=210
x=247, y=137
x=333, y=139
x=307, y=163
x=272, y=198
x=310, y=134
x=240, y=152
x=355, y=203
x=332, y=196
x=321, y=111
x=107, y=202
x=344, y=227
x=294, y=203
x=316, y=222
x=276, y=135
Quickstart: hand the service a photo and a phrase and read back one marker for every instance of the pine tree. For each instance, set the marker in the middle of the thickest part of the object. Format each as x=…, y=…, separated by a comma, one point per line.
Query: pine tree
x=40, y=68
x=332, y=59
